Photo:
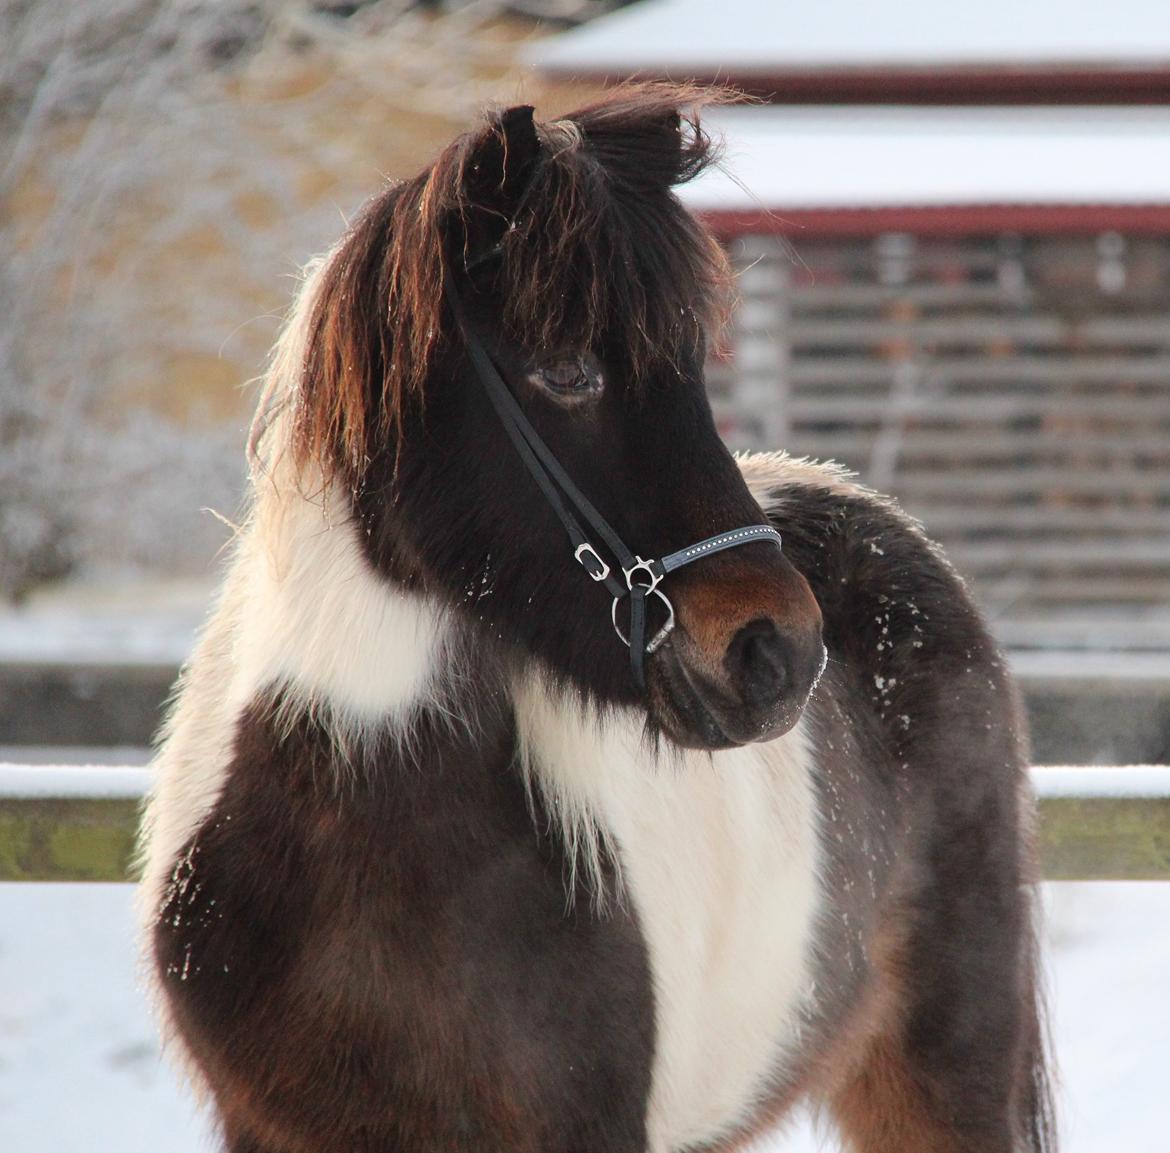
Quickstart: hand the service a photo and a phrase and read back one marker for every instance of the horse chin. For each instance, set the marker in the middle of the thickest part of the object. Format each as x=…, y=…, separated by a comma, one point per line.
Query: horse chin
x=695, y=714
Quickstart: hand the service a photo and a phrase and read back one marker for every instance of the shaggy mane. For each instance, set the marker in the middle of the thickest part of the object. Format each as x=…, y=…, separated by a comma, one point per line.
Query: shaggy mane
x=596, y=248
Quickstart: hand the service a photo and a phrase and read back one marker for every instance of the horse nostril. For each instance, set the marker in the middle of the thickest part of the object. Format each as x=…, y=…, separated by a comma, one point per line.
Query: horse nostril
x=758, y=662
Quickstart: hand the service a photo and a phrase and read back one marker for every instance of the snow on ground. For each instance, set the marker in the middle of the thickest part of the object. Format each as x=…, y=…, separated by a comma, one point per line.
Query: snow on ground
x=80, y=1070
x=79, y=1061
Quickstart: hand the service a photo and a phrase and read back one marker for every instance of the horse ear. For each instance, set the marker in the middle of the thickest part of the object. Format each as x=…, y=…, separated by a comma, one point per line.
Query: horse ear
x=672, y=134
x=649, y=146
x=660, y=143
x=521, y=148
x=496, y=174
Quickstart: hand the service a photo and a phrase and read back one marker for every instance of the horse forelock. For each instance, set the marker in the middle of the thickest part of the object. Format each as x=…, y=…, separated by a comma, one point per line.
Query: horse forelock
x=596, y=249
x=599, y=250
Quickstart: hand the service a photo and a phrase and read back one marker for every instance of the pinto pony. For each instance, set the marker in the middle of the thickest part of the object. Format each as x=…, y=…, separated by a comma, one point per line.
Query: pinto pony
x=431, y=864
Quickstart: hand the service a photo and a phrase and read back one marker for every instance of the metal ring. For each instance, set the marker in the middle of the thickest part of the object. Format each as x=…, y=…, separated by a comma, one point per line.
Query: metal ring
x=661, y=635
x=645, y=566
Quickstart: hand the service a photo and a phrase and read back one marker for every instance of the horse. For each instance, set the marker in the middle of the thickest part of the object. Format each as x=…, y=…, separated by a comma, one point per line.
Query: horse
x=473, y=829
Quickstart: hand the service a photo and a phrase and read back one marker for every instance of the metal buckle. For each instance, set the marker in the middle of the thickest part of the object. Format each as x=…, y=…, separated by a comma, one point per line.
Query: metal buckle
x=641, y=565
x=597, y=574
x=661, y=634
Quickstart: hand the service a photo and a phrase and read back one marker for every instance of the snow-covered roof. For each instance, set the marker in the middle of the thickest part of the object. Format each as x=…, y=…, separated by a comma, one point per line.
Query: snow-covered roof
x=696, y=37
x=796, y=158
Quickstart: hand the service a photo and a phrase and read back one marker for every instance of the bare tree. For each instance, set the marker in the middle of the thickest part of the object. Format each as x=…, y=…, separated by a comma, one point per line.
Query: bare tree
x=122, y=122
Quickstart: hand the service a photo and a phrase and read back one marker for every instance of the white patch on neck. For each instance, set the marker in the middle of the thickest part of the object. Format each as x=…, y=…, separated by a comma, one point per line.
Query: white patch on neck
x=343, y=642
x=719, y=857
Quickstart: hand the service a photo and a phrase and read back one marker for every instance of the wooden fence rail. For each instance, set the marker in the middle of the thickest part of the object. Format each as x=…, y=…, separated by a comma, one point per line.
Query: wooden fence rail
x=77, y=823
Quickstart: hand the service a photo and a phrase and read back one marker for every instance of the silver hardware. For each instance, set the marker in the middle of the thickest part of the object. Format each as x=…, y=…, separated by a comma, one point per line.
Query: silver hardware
x=587, y=547
x=662, y=633
x=643, y=566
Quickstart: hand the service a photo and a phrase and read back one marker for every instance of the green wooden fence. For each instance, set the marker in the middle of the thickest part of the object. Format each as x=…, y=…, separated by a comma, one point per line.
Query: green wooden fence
x=78, y=824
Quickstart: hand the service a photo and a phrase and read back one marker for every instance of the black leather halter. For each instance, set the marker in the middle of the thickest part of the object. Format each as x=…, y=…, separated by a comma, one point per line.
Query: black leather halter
x=641, y=577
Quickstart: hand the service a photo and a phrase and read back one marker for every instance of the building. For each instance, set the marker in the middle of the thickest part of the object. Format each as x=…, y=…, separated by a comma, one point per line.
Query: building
x=968, y=305
x=903, y=51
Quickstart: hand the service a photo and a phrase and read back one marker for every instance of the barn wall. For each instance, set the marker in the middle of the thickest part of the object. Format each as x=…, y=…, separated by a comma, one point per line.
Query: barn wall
x=1012, y=390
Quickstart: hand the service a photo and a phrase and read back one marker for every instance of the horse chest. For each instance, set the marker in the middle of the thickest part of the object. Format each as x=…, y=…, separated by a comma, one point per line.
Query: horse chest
x=719, y=859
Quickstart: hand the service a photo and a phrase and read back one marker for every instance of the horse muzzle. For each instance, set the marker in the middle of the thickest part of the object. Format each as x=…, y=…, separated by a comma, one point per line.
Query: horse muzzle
x=738, y=669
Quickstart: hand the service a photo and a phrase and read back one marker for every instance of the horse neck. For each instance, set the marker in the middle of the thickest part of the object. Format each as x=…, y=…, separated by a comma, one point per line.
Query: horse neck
x=306, y=621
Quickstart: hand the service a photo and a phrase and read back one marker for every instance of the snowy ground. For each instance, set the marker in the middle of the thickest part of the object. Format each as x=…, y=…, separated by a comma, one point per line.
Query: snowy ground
x=80, y=1070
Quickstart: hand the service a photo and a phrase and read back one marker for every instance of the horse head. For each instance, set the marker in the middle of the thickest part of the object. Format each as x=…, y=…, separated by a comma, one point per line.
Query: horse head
x=564, y=249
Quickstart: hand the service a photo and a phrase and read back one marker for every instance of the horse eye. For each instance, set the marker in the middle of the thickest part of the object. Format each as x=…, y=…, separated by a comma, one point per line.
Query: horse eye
x=569, y=376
